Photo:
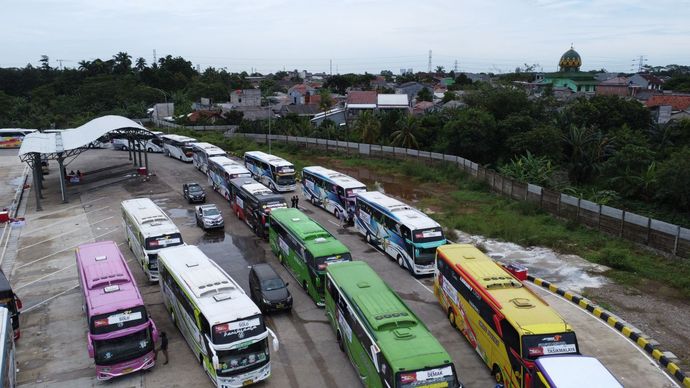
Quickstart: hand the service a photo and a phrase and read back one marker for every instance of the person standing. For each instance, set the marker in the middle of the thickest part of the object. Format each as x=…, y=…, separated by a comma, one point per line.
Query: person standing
x=164, y=347
x=296, y=201
x=292, y=201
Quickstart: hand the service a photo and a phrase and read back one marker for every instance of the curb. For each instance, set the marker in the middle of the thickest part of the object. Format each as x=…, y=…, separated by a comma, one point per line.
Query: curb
x=632, y=333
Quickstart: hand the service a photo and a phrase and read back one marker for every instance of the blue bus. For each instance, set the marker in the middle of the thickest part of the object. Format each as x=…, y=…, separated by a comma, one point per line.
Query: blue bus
x=331, y=190
x=406, y=234
x=274, y=172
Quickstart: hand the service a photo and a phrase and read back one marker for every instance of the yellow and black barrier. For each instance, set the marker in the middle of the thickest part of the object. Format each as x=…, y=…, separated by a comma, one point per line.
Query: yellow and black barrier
x=612, y=321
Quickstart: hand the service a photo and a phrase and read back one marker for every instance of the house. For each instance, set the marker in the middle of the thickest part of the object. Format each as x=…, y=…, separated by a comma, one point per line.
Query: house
x=423, y=107
x=411, y=89
x=392, y=101
x=246, y=97
x=254, y=113
x=359, y=101
x=209, y=117
x=617, y=86
x=300, y=110
x=336, y=115
x=299, y=94
x=667, y=107
x=646, y=81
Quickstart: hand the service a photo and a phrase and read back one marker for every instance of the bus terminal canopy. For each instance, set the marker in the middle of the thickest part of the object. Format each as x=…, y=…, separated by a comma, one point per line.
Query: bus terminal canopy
x=71, y=142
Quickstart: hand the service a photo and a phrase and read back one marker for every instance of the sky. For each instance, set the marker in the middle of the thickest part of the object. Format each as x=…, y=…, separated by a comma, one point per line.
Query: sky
x=350, y=35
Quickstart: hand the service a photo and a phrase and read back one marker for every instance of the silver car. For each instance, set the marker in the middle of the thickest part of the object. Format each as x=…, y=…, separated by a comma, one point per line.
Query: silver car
x=208, y=217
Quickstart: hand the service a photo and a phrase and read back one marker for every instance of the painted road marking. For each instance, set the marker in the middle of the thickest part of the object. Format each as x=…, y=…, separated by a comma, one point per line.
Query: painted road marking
x=43, y=277
x=26, y=310
x=60, y=222
x=41, y=215
x=72, y=247
x=422, y=284
x=62, y=234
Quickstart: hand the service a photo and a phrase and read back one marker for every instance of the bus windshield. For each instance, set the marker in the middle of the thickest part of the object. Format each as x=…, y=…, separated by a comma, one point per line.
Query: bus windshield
x=322, y=262
x=351, y=193
x=236, y=361
x=237, y=330
x=288, y=179
x=428, y=235
x=168, y=240
x=435, y=377
x=118, y=320
x=187, y=150
x=534, y=346
x=111, y=351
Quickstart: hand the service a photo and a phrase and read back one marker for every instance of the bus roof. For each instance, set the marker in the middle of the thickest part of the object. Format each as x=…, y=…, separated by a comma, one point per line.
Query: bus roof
x=338, y=178
x=268, y=158
x=180, y=138
x=215, y=293
x=151, y=219
x=576, y=371
x=404, y=213
x=107, y=282
x=401, y=336
x=208, y=148
x=318, y=240
x=520, y=305
x=230, y=166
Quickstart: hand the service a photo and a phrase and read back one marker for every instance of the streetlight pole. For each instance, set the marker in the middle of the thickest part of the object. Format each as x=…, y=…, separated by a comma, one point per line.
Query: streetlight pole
x=269, y=127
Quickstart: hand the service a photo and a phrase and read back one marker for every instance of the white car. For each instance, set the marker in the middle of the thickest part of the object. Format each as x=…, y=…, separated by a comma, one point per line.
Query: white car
x=208, y=217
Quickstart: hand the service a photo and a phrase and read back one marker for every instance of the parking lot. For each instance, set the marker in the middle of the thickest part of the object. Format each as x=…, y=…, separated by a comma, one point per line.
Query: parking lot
x=52, y=350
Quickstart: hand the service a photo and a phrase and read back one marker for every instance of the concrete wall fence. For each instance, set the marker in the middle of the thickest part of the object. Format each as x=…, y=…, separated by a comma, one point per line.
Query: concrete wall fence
x=656, y=234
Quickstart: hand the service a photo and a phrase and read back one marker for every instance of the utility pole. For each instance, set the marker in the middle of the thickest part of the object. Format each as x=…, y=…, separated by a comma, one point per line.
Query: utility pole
x=154, y=57
x=455, y=68
x=331, y=66
x=640, y=63
x=429, y=62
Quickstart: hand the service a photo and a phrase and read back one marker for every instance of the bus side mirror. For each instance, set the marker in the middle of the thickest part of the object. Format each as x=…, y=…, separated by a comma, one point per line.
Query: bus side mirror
x=89, y=344
x=154, y=331
x=276, y=344
x=216, y=363
x=18, y=302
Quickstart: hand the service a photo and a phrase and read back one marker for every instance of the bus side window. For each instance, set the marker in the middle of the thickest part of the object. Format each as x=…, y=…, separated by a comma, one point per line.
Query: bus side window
x=332, y=290
x=340, y=190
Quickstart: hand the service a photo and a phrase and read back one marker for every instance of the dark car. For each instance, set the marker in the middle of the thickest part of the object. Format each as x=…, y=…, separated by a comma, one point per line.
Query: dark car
x=193, y=192
x=268, y=290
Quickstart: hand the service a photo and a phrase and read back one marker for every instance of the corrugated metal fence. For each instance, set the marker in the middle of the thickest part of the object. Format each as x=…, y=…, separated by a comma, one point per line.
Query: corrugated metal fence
x=657, y=234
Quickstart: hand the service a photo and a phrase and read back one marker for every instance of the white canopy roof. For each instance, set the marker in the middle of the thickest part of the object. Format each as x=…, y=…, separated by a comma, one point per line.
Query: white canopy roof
x=69, y=139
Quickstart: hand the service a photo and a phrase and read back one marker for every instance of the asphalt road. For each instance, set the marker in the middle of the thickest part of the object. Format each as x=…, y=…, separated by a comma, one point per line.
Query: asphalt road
x=52, y=350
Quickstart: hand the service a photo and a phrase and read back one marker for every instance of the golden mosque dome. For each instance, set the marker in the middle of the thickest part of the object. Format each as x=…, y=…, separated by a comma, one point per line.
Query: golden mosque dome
x=570, y=61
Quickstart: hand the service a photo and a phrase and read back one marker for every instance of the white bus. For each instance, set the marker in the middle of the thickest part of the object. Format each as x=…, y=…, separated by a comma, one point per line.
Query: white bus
x=202, y=152
x=406, y=234
x=223, y=327
x=13, y=137
x=148, y=230
x=221, y=170
x=331, y=190
x=8, y=367
x=178, y=147
x=274, y=172
x=153, y=144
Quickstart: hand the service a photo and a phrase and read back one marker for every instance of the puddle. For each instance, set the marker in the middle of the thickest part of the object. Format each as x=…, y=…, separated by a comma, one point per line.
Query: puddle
x=570, y=272
x=180, y=213
x=391, y=185
x=233, y=253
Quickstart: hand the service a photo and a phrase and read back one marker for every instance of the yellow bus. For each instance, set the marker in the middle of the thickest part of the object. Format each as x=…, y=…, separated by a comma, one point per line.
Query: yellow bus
x=505, y=322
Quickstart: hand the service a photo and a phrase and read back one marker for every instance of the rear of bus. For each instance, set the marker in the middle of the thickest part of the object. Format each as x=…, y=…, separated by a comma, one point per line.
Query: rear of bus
x=321, y=252
x=121, y=336
x=153, y=243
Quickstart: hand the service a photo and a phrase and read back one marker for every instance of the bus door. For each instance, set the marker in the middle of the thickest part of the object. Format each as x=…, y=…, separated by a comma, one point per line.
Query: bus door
x=511, y=340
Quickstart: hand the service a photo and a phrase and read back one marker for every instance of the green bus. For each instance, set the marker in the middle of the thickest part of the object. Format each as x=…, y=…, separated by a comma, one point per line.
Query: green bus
x=385, y=341
x=305, y=248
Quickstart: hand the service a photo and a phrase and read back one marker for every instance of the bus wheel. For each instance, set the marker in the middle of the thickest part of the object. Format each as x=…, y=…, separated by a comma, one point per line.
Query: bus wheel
x=280, y=259
x=498, y=376
x=401, y=263
x=339, y=338
x=124, y=148
x=451, y=318
x=201, y=359
x=172, y=316
x=150, y=149
x=336, y=213
x=304, y=285
x=272, y=186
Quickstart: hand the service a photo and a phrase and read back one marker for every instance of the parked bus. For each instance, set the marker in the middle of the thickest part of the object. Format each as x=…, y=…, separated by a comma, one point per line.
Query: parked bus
x=305, y=248
x=331, y=190
x=252, y=202
x=221, y=170
x=13, y=137
x=406, y=234
x=8, y=366
x=148, y=230
x=121, y=335
x=505, y=322
x=10, y=301
x=152, y=144
x=276, y=173
x=178, y=147
x=201, y=152
x=386, y=342
x=222, y=326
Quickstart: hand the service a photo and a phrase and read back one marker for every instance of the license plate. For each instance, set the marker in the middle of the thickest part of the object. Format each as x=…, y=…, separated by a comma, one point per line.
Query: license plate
x=280, y=305
x=127, y=370
x=248, y=382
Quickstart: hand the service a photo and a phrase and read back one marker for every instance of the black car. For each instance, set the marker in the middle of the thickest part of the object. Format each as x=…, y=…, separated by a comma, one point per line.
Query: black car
x=193, y=192
x=268, y=290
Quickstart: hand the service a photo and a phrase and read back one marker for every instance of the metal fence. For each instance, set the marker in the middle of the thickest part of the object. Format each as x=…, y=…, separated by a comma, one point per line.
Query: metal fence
x=657, y=234
x=168, y=124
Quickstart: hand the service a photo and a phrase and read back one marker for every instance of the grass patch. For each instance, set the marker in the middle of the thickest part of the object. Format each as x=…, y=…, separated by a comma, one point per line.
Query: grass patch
x=460, y=202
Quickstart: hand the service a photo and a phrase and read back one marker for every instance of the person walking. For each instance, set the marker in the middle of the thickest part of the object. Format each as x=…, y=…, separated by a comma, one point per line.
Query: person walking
x=296, y=201
x=343, y=219
x=164, y=347
x=292, y=201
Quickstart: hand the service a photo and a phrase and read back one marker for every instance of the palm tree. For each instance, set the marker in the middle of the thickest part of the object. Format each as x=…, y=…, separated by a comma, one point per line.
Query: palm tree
x=368, y=126
x=122, y=62
x=140, y=64
x=405, y=135
x=586, y=148
x=84, y=65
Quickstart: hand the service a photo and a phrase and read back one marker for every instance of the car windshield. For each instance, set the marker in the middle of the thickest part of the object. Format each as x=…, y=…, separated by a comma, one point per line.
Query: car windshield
x=272, y=284
x=211, y=212
x=195, y=189
x=108, y=352
x=235, y=361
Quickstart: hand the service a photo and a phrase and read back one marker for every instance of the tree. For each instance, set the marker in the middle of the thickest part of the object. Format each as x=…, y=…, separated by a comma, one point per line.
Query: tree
x=84, y=65
x=123, y=63
x=470, y=133
x=449, y=96
x=585, y=150
x=440, y=71
x=140, y=64
x=326, y=99
x=368, y=126
x=674, y=180
x=45, y=63
x=632, y=170
x=425, y=95
x=388, y=75
x=405, y=136
x=529, y=169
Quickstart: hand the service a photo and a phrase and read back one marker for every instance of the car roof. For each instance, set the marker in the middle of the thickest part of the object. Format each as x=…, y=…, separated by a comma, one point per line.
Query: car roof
x=265, y=271
x=192, y=184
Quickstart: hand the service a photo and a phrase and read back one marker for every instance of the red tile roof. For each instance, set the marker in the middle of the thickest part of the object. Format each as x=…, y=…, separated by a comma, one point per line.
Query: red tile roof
x=677, y=102
x=361, y=97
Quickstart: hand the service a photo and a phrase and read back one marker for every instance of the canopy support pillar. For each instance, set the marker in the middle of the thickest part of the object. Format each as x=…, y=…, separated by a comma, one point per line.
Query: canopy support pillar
x=61, y=166
x=36, y=168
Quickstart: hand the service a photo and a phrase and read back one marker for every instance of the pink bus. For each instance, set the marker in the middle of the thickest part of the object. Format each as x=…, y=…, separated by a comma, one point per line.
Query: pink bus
x=121, y=335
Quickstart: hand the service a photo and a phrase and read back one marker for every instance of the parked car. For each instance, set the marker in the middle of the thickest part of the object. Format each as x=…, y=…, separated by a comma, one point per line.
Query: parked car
x=193, y=192
x=268, y=290
x=208, y=217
